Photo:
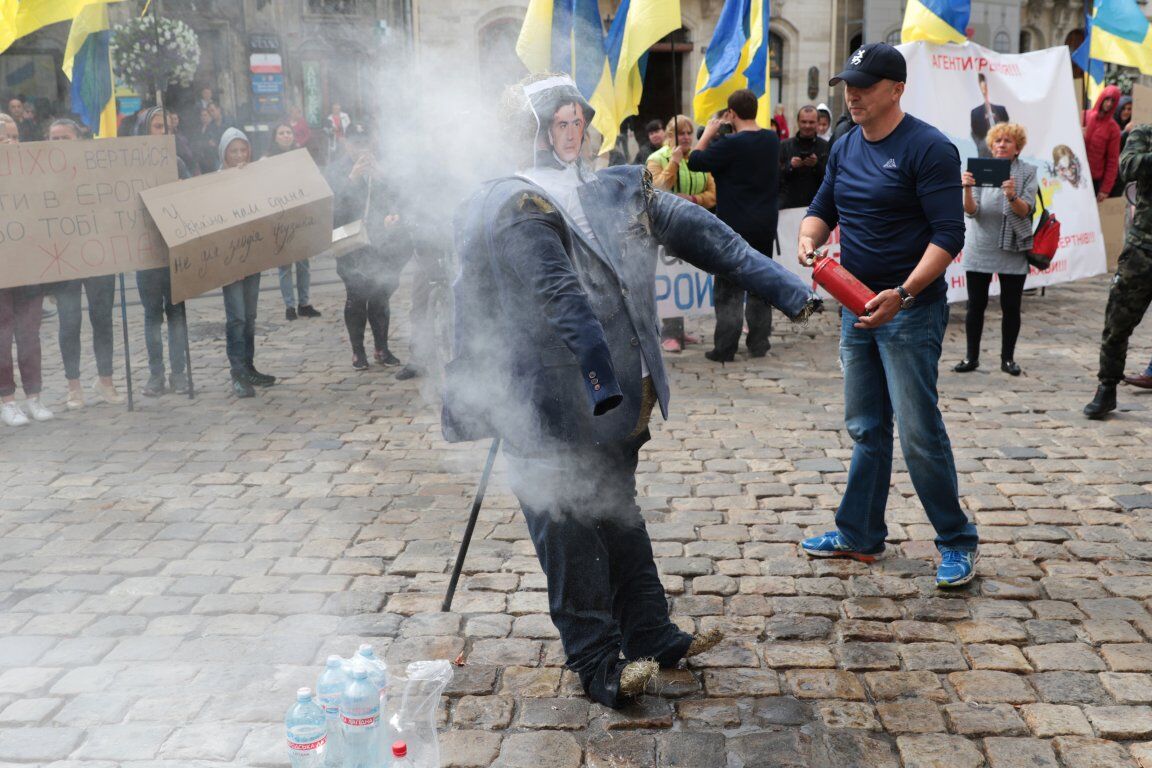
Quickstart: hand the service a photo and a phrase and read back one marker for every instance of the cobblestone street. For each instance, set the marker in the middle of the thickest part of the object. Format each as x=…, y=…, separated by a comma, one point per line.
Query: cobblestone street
x=169, y=577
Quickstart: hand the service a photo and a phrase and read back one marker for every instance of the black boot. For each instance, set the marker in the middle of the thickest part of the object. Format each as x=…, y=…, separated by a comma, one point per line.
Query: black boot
x=1104, y=402
x=257, y=378
x=241, y=387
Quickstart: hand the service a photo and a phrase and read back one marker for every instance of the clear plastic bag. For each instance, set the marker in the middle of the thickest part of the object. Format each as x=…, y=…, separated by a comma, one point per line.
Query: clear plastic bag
x=410, y=710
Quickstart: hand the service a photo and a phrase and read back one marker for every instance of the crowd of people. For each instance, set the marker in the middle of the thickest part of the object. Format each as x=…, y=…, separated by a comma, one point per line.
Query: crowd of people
x=370, y=274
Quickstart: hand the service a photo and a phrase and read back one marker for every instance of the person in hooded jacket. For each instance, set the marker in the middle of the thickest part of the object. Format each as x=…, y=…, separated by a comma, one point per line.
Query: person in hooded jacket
x=1123, y=119
x=242, y=296
x=1102, y=141
x=155, y=288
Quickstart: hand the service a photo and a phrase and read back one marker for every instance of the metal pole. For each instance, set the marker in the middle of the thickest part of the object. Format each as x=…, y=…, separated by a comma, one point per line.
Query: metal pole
x=476, y=503
x=127, y=354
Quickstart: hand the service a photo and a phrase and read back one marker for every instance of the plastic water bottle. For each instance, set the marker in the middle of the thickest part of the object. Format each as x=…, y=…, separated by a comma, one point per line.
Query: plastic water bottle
x=329, y=688
x=377, y=669
x=360, y=715
x=400, y=757
x=306, y=731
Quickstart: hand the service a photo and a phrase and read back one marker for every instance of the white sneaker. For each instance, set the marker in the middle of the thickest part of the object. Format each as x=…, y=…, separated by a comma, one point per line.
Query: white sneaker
x=37, y=409
x=11, y=415
x=107, y=393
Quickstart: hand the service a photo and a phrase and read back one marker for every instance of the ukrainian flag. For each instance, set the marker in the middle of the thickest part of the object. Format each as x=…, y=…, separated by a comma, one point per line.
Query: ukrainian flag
x=936, y=21
x=639, y=24
x=88, y=64
x=737, y=57
x=1121, y=35
x=1094, y=69
x=23, y=17
x=567, y=36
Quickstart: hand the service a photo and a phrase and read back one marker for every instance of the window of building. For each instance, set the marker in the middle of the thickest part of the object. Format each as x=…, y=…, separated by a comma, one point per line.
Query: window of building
x=1025, y=41
x=893, y=37
x=1002, y=42
x=776, y=67
x=346, y=7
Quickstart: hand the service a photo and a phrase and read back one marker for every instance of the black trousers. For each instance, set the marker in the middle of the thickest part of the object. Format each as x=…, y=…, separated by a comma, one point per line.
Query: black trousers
x=1011, y=299
x=604, y=593
x=731, y=311
x=367, y=304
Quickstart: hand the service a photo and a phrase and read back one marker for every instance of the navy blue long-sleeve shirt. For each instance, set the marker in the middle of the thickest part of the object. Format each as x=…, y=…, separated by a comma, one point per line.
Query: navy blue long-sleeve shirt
x=892, y=198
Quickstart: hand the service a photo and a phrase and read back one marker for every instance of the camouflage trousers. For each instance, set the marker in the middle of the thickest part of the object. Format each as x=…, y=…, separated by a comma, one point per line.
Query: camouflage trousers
x=1127, y=301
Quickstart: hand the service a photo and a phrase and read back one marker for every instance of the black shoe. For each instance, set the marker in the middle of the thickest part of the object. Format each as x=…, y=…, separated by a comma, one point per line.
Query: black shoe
x=716, y=357
x=385, y=357
x=180, y=384
x=966, y=366
x=307, y=310
x=241, y=388
x=259, y=379
x=155, y=386
x=1009, y=367
x=1104, y=402
x=407, y=372
x=290, y=313
x=360, y=361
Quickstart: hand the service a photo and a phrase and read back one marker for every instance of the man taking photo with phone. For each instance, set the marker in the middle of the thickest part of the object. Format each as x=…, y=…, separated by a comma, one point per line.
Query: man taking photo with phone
x=803, y=159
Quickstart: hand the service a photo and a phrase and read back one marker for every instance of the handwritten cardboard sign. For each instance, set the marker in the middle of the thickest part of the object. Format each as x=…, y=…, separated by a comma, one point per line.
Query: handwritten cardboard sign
x=224, y=226
x=71, y=209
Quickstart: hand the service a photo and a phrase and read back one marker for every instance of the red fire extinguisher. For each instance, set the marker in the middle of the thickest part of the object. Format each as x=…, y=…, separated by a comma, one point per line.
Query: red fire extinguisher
x=843, y=285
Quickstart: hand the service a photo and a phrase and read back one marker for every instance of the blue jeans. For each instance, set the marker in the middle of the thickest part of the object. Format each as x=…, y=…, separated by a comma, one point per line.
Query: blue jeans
x=892, y=371
x=240, y=300
x=604, y=592
x=101, y=293
x=303, y=283
x=155, y=286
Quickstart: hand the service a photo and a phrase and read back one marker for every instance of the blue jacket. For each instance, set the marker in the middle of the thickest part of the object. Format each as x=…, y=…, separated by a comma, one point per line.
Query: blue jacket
x=550, y=328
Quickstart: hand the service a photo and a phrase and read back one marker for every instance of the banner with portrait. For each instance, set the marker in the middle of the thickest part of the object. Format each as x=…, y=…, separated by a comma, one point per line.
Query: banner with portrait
x=965, y=89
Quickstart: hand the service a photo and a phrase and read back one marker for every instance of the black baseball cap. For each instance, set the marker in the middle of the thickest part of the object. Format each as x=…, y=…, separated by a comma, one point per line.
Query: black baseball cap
x=872, y=63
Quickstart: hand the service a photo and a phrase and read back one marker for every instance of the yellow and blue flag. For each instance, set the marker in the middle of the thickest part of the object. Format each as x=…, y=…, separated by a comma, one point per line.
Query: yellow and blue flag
x=23, y=17
x=88, y=64
x=737, y=57
x=1094, y=69
x=936, y=21
x=639, y=24
x=1120, y=34
x=567, y=36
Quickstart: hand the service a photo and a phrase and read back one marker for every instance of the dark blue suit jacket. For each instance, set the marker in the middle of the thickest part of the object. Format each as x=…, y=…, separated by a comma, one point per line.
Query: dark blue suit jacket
x=551, y=327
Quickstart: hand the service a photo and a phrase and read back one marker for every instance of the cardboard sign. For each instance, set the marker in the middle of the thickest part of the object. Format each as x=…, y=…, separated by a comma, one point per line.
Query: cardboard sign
x=1141, y=104
x=682, y=290
x=224, y=226
x=1112, y=222
x=72, y=209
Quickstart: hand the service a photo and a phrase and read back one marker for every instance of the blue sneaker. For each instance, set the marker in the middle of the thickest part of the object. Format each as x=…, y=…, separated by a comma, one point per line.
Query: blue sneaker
x=957, y=568
x=833, y=544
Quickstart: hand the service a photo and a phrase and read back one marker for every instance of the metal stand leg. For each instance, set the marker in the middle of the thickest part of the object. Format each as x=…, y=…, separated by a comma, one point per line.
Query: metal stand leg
x=476, y=503
x=127, y=351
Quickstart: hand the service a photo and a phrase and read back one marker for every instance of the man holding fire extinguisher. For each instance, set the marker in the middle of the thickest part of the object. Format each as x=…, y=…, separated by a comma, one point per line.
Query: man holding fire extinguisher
x=893, y=186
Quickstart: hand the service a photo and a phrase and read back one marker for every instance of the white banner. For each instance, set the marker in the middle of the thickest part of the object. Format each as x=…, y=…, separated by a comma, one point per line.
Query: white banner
x=682, y=290
x=1035, y=90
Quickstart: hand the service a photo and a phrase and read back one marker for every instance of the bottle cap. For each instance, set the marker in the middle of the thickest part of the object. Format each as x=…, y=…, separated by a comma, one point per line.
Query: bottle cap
x=399, y=749
x=303, y=694
x=365, y=649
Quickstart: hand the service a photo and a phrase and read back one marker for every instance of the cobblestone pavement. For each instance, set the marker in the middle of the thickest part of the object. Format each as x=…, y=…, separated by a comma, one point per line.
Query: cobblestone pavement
x=169, y=577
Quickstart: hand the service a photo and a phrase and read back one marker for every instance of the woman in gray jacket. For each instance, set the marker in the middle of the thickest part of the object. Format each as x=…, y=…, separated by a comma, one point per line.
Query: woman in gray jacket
x=997, y=243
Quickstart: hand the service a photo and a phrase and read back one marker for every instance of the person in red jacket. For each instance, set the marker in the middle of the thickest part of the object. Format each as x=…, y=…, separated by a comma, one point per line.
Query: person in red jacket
x=1102, y=141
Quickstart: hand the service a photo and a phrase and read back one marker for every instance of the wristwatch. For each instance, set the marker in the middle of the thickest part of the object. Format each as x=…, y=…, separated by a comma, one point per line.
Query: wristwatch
x=906, y=299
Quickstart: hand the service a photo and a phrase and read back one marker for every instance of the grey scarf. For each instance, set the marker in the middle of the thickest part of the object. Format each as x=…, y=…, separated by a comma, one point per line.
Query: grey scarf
x=1016, y=231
